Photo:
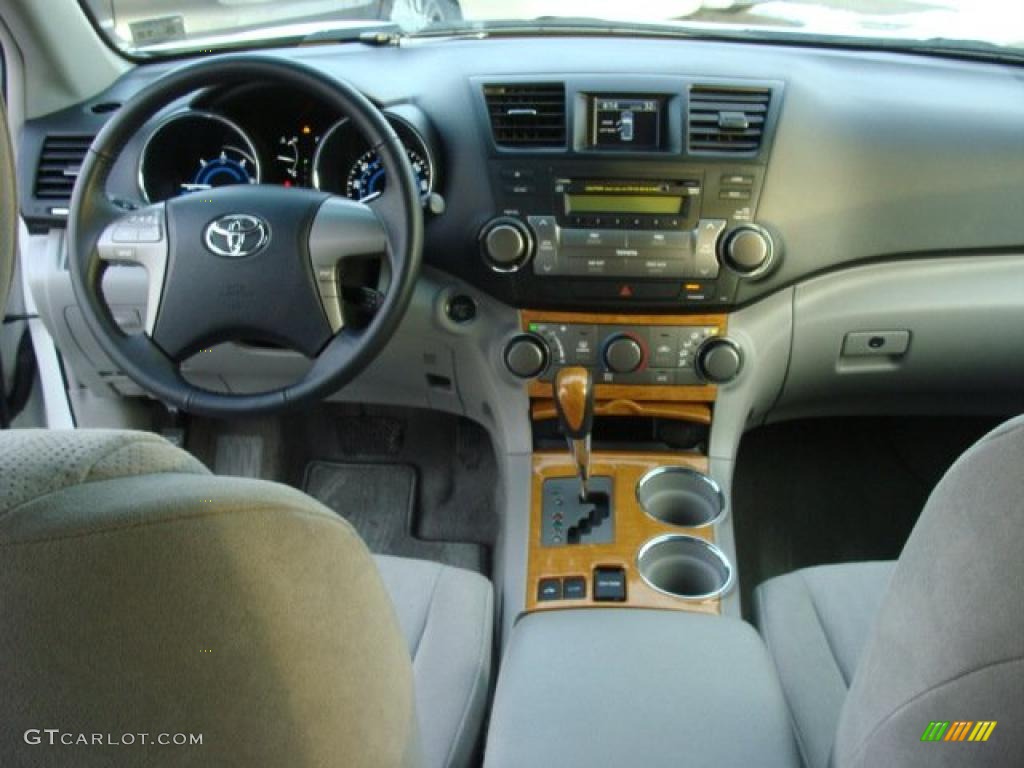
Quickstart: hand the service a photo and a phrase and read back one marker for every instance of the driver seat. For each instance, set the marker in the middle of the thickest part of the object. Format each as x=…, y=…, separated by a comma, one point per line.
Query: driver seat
x=142, y=598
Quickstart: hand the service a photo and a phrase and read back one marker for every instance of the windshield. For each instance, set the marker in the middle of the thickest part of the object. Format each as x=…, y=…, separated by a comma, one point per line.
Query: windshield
x=154, y=27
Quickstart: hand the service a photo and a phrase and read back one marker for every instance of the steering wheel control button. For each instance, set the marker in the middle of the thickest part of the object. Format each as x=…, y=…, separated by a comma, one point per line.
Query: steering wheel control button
x=609, y=585
x=748, y=250
x=719, y=360
x=138, y=238
x=623, y=354
x=526, y=356
x=461, y=309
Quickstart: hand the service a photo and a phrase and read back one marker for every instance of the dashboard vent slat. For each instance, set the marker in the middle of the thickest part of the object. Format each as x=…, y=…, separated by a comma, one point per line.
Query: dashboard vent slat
x=727, y=119
x=527, y=115
x=59, y=163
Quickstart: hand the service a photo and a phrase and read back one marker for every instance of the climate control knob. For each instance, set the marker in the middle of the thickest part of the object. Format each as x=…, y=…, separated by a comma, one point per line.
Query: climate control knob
x=526, y=356
x=506, y=244
x=748, y=250
x=719, y=360
x=623, y=354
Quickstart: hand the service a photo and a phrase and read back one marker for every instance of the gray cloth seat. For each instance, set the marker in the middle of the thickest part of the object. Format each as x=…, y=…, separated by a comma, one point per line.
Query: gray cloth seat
x=869, y=654
x=141, y=594
x=446, y=616
x=815, y=623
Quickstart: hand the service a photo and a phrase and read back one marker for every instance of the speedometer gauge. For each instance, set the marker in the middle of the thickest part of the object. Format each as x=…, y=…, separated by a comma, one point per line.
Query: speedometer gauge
x=345, y=164
x=366, y=177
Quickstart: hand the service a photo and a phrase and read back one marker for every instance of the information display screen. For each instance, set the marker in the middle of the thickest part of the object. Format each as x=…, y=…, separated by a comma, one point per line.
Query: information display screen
x=625, y=123
x=639, y=204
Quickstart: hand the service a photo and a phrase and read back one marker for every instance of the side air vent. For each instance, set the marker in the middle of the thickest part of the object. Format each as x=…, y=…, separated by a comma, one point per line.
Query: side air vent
x=527, y=115
x=727, y=119
x=59, y=163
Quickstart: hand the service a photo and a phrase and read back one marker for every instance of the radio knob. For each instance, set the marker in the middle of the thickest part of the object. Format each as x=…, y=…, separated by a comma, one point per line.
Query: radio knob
x=506, y=243
x=719, y=360
x=623, y=354
x=526, y=356
x=749, y=250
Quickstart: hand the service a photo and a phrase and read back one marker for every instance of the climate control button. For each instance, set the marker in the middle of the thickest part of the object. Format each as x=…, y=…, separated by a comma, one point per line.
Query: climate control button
x=526, y=356
x=719, y=360
x=623, y=354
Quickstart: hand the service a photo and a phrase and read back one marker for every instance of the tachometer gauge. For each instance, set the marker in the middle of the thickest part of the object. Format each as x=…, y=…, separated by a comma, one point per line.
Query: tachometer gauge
x=193, y=151
x=366, y=178
x=345, y=164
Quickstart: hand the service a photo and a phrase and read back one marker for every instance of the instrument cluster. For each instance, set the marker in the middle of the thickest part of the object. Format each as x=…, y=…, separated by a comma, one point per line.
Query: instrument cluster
x=270, y=136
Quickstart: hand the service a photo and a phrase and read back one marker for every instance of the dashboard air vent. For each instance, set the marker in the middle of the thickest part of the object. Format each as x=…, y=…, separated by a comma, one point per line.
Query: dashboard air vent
x=59, y=163
x=727, y=119
x=527, y=115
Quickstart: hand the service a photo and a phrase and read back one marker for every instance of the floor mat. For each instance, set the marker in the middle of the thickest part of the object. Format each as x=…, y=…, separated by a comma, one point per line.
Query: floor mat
x=379, y=501
x=837, y=490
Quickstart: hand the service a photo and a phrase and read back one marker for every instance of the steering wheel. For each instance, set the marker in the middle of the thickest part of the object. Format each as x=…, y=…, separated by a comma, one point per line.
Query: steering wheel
x=244, y=261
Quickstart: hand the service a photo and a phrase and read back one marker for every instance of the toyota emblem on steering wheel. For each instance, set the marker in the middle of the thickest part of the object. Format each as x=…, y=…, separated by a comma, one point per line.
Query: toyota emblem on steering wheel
x=237, y=235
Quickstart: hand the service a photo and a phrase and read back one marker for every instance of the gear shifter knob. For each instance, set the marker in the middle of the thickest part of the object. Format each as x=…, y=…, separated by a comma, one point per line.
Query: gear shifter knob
x=574, y=403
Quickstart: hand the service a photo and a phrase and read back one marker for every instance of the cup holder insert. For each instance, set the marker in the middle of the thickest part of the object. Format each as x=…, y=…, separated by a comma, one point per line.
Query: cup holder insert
x=686, y=567
x=680, y=496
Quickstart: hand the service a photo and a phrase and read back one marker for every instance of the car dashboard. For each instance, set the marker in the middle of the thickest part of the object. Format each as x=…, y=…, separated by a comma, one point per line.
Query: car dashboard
x=631, y=178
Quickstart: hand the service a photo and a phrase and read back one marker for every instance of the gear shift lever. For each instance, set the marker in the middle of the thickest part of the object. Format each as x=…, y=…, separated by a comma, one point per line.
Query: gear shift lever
x=574, y=402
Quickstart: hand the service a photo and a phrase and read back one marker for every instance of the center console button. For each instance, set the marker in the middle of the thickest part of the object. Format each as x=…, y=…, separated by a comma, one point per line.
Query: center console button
x=590, y=261
x=662, y=264
x=549, y=589
x=583, y=340
x=706, y=247
x=663, y=239
x=664, y=348
x=593, y=238
x=609, y=584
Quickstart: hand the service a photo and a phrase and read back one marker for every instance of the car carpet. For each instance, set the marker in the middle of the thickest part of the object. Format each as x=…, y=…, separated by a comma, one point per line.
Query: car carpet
x=379, y=501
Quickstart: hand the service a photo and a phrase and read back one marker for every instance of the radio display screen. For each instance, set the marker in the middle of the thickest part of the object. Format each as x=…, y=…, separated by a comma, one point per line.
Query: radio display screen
x=625, y=123
x=639, y=204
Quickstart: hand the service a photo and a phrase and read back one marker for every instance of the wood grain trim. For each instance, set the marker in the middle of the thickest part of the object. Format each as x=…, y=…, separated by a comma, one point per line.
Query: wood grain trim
x=572, y=387
x=528, y=316
x=632, y=529
x=701, y=394
x=697, y=413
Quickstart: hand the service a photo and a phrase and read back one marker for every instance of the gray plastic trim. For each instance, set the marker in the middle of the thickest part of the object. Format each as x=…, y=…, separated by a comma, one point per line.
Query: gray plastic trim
x=965, y=352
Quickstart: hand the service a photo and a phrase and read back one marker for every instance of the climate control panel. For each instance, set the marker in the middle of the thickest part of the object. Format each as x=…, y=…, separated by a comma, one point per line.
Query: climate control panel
x=674, y=355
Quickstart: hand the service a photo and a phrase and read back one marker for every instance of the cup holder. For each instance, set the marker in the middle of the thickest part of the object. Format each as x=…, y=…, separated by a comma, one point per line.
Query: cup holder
x=680, y=496
x=686, y=567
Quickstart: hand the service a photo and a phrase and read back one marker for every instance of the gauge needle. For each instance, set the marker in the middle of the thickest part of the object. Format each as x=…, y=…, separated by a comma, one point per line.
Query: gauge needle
x=196, y=187
x=370, y=197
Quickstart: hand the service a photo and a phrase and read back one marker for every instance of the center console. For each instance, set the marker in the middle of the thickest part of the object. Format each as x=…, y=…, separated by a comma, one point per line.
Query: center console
x=651, y=688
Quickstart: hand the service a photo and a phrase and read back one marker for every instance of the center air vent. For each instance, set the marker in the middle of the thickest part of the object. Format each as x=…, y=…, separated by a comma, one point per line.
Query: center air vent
x=527, y=115
x=59, y=163
x=727, y=120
